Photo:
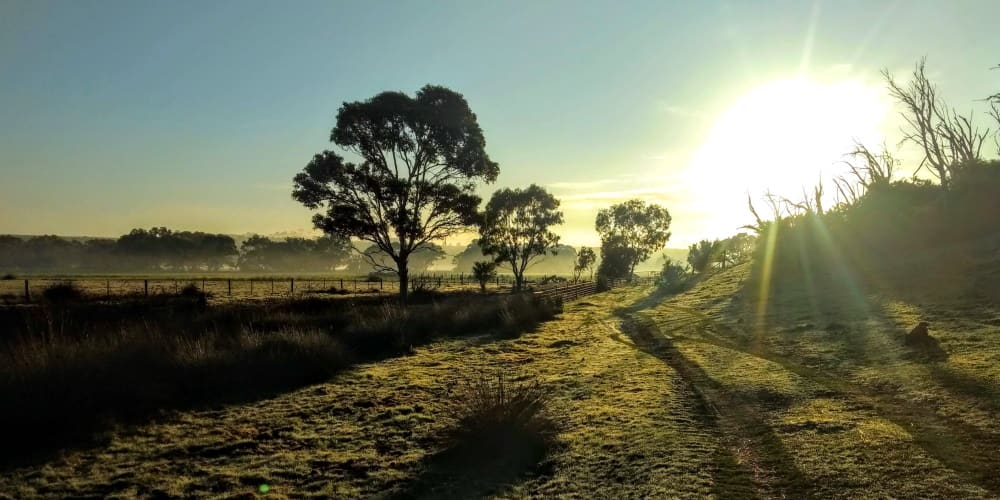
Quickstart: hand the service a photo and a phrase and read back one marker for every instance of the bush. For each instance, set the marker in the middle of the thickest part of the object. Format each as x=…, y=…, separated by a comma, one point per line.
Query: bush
x=484, y=272
x=674, y=278
x=7, y=277
x=494, y=411
x=62, y=293
x=373, y=278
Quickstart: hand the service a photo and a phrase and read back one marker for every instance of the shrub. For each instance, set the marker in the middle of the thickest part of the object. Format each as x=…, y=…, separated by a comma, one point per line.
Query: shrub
x=373, y=278
x=8, y=276
x=62, y=293
x=674, y=278
x=495, y=411
x=483, y=272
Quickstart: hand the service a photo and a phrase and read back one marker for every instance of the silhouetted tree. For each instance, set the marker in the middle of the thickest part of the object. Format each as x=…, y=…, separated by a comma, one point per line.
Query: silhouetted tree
x=617, y=259
x=420, y=158
x=515, y=227
x=703, y=254
x=736, y=249
x=632, y=230
x=585, y=260
x=484, y=271
x=948, y=140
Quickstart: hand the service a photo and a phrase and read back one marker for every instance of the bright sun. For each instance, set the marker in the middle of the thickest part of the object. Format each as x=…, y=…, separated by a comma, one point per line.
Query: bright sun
x=783, y=136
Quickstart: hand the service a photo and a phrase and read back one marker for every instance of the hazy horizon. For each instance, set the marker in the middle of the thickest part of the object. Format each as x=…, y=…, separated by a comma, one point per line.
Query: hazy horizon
x=196, y=116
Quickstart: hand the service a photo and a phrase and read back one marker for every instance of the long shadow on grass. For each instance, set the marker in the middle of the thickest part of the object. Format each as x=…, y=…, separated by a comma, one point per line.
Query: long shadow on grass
x=711, y=400
x=957, y=444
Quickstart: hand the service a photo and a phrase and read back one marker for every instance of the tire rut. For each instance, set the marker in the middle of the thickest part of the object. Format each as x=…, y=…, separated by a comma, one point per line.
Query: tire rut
x=747, y=440
x=968, y=450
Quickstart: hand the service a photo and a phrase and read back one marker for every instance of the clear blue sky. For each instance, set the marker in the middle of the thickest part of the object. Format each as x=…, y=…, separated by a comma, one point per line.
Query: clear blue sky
x=196, y=115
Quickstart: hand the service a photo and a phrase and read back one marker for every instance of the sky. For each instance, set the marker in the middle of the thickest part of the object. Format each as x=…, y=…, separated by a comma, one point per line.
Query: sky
x=197, y=114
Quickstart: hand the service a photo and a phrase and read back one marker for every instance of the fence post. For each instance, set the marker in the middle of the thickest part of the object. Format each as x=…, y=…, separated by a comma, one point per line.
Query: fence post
x=108, y=283
x=27, y=292
x=341, y=283
x=229, y=287
x=291, y=287
x=251, y=287
x=272, y=286
x=145, y=287
x=380, y=285
x=355, y=285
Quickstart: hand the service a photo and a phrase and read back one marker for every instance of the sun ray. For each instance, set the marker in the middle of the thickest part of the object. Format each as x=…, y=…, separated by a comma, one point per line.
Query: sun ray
x=807, y=46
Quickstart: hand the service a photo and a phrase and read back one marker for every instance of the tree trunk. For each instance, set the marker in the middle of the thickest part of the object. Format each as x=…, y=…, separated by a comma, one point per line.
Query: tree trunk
x=404, y=282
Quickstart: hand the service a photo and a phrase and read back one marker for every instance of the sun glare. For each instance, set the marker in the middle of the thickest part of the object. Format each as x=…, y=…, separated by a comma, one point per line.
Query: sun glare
x=783, y=136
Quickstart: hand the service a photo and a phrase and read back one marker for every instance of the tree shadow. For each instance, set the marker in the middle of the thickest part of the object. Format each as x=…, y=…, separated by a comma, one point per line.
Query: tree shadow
x=712, y=400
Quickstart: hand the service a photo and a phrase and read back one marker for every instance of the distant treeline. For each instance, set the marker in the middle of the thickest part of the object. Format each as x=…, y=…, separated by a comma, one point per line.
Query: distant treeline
x=163, y=249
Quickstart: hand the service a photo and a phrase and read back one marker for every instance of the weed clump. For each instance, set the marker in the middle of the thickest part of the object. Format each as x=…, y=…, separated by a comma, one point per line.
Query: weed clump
x=494, y=413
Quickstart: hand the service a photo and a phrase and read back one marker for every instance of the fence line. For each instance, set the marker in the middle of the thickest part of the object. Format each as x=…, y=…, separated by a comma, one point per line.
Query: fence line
x=264, y=287
x=573, y=291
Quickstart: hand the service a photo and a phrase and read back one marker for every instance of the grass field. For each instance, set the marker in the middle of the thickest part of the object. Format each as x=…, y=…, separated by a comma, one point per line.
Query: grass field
x=704, y=394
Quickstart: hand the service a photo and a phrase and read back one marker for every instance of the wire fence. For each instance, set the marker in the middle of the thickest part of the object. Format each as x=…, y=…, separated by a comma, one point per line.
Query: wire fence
x=249, y=288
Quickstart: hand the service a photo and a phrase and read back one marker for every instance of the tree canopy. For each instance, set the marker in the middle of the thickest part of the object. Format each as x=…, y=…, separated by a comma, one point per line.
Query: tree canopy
x=515, y=228
x=420, y=158
x=631, y=231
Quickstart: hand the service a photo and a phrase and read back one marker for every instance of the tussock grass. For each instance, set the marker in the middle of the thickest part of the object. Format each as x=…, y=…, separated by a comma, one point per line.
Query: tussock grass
x=493, y=410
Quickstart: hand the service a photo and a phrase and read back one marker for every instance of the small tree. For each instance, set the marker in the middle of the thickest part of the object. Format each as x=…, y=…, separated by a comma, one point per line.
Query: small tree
x=585, y=260
x=515, y=227
x=420, y=159
x=703, y=254
x=484, y=271
x=632, y=230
